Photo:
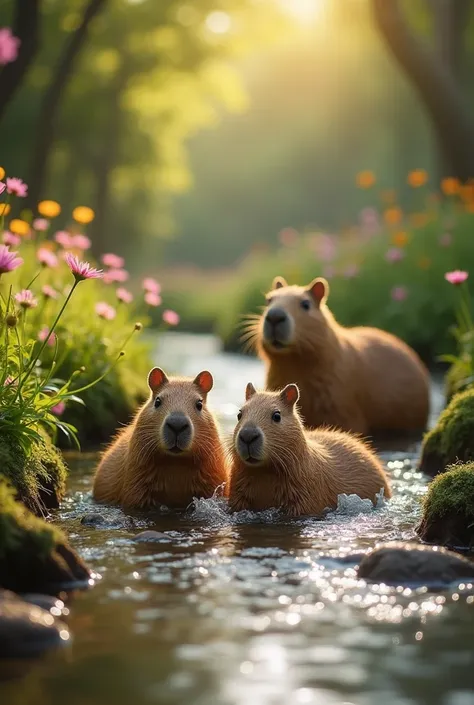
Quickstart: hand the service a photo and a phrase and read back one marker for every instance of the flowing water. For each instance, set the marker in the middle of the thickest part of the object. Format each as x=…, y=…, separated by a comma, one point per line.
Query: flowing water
x=251, y=609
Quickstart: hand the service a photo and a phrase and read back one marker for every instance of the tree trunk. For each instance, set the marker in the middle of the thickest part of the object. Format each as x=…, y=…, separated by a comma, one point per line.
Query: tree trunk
x=49, y=110
x=26, y=27
x=434, y=82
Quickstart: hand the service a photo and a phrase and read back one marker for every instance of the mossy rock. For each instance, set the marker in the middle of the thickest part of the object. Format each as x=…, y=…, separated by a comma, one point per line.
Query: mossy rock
x=34, y=556
x=39, y=478
x=452, y=439
x=448, y=509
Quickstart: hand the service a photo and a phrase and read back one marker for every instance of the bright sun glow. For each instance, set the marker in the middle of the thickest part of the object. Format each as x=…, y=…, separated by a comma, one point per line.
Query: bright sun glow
x=305, y=11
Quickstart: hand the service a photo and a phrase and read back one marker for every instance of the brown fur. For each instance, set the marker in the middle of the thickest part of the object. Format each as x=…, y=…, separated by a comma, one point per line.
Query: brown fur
x=302, y=472
x=357, y=379
x=137, y=471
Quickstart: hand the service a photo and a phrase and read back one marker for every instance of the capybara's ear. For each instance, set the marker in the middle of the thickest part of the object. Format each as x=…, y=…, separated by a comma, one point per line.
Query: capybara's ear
x=249, y=391
x=319, y=289
x=156, y=379
x=279, y=283
x=204, y=381
x=290, y=394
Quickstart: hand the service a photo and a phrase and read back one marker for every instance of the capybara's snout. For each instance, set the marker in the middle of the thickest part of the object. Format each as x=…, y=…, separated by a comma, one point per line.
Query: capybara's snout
x=250, y=444
x=277, y=327
x=177, y=432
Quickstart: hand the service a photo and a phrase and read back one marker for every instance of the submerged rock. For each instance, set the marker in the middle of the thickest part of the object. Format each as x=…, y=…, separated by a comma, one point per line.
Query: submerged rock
x=448, y=513
x=398, y=563
x=39, y=479
x=34, y=556
x=27, y=630
x=150, y=536
x=93, y=519
x=452, y=439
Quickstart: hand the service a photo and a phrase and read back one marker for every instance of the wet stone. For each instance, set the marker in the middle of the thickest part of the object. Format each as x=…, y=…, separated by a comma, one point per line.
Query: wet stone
x=397, y=563
x=93, y=519
x=151, y=536
x=27, y=630
x=46, y=602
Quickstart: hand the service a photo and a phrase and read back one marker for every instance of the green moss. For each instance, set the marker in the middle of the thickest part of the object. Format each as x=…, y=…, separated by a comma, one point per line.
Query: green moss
x=452, y=438
x=39, y=478
x=451, y=492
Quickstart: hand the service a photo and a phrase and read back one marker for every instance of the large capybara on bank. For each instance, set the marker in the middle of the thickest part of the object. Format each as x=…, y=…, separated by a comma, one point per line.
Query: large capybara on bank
x=276, y=463
x=170, y=453
x=357, y=379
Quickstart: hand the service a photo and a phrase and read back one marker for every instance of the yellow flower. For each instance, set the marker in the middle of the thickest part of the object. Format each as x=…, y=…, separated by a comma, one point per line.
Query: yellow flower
x=393, y=215
x=419, y=220
x=450, y=186
x=2, y=172
x=365, y=179
x=19, y=227
x=424, y=263
x=399, y=239
x=5, y=208
x=49, y=209
x=417, y=178
x=83, y=214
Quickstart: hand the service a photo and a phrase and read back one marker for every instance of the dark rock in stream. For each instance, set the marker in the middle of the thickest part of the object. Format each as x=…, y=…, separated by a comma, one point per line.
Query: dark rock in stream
x=150, y=536
x=27, y=630
x=46, y=602
x=95, y=520
x=398, y=563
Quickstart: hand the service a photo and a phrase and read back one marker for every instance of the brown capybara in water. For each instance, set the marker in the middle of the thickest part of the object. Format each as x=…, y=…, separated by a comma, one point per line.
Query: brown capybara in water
x=276, y=463
x=170, y=453
x=357, y=379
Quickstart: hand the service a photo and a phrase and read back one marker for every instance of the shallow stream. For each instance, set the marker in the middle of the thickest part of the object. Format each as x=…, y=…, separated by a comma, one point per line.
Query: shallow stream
x=251, y=609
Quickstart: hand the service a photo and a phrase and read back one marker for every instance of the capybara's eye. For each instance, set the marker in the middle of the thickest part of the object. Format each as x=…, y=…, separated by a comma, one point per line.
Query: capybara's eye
x=199, y=405
x=239, y=416
x=306, y=304
x=276, y=416
x=157, y=402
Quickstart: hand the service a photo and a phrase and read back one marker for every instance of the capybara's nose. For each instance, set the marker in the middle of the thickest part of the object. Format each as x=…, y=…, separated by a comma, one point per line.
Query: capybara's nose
x=178, y=423
x=249, y=434
x=276, y=315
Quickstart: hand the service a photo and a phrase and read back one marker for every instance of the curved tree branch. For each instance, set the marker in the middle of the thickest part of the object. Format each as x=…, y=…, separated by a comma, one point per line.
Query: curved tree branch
x=435, y=85
x=26, y=27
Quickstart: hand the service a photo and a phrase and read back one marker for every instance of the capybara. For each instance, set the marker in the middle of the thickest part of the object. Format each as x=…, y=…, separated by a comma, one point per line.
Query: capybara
x=276, y=463
x=357, y=379
x=171, y=451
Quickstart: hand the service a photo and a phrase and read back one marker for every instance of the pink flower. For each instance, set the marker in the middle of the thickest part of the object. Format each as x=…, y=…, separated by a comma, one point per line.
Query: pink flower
x=26, y=299
x=46, y=257
x=58, y=409
x=288, y=237
x=11, y=239
x=113, y=261
x=394, y=254
x=17, y=187
x=9, y=380
x=170, y=317
x=399, y=293
x=458, y=276
x=8, y=260
x=152, y=299
x=105, y=311
x=9, y=46
x=63, y=238
x=82, y=270
x=351, y=271
x=44, y=334
x=40, y=224
x=82, y=242
x=445, y=240
x=116, y=275
x=150, y=284
x=325, y=247
x=2, y=187
x=124, y=295
x=49, y=292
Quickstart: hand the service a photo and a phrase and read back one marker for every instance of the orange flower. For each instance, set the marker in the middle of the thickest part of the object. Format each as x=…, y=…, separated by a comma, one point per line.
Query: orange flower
x=19, y=227
x=83, y=214
x=5, y=208
x=49, y=209
x=365, y=179
x=450, y=186
x=393, y=215
x=467, y=193
x=417, y=178
x=2, y=172
x=424, y=263
x=399, y=239
x=419, y=220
